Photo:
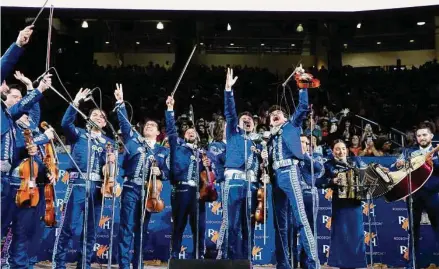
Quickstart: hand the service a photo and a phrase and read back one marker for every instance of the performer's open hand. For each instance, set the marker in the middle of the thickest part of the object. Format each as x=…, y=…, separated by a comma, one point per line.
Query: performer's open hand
x=170, y=102
x=400, y=163
x=24, y=36
x=230, y=80
x=81, y=95
x=49, y=133
x=118, y=93
x=26, y=81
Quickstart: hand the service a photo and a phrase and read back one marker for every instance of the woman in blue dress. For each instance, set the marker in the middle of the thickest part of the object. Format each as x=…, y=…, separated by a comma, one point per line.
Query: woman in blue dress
x=347, y=248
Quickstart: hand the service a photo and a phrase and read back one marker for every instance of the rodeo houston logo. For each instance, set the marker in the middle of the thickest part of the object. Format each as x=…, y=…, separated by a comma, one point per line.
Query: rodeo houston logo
x=368, y=209
x=327, y=220
x=404, y=251
x=101, y=251
x=216, y=208
x=403, y=222
x=104, y=222
x=213, y=235
x=257, y=253
x=328, y=194
x=182, y=254
x=369, y=238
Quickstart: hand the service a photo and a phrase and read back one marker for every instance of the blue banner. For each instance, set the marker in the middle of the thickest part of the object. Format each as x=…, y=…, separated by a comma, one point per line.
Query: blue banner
x=387, y=235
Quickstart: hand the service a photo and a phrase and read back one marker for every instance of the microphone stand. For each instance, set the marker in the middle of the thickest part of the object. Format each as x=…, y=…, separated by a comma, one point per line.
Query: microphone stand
x=249, y=194
x=412, y=237
x=197, y=200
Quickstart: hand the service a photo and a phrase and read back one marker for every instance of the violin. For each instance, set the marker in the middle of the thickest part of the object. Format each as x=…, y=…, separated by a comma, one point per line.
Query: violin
x=260, y=214
x=110, y=187
x=306, y=81
x=52, y=167
x=28, y=194
x=208, y=192
x=154, y=204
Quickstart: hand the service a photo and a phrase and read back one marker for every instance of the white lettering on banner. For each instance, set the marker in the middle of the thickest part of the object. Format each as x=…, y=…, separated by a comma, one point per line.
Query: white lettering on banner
x=216, y=208
x=106, y=225
x=368, y=209
x=210, y=232
x=402, y=249
x=325, y=248
x=182, y=254
x=61, y=174
x=101, y=250
x=401, y=219
x=399, y=209
x=59, y=202
x=400, y=238
x=257, y=253
x=370, y=238
x=325, y=218
x=258, y=226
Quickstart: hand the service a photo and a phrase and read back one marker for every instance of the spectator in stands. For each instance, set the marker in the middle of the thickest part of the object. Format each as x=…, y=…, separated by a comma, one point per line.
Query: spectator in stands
x=315, y=145
x=368, y=134
x=370, y=150
x=355, y=146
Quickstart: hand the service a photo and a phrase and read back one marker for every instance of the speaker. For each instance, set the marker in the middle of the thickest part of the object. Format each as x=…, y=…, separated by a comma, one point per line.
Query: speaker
x=210, y=264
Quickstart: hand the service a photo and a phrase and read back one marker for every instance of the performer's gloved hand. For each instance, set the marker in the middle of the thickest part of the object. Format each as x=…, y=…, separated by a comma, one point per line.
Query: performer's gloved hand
x=118, y=93
x=45, y=83
x=265, y=179
x=170, y=103
x=32, y=149
x=24, y=36
x=206, y=162
x=230, y=81
x=156, y=171
x=400, y=163
x=264, y=154
x=81, y=95
x=49, y=133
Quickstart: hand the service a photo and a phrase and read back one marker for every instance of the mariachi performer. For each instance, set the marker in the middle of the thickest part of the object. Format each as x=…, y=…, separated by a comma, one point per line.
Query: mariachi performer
x=27, y=219
x=27, y=226
x=142, y=151
x=310, y=197
x=241, y=167
x=85, y=143
x=427, y=197
x=342, y=175
x=185, y=167
x=285, y=154
x=9, y=115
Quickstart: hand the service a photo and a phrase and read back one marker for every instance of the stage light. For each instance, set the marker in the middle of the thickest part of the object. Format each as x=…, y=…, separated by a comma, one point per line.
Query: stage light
x=107, y=42
x=229, y=28
x=137, y=43
x=84, y=24
x=411, y=40
x=299, y=28
x=232, y=44
x=76, y=42
x=378, y=42
x=293, y=45
x=201, y=44
x=359, y=25
x=160, y=25
x=262, y=44
x=169, y=43
x=420, y=23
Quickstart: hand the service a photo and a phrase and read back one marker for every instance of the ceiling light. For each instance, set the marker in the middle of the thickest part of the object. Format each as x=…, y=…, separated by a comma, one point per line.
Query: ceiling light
x=229, y=28
x=262, y=44
x=76, y=41
x=231, y=44
x=293, y=45
x=421, y=23
x=379, y=43
x=160, y=25
x=107, y=42
x=345, y=45
x=201, y=44
x=359, y=25
x=169, y=43
x=84, y=24
x=411, y=40
x=137, y=43
x=299, y=28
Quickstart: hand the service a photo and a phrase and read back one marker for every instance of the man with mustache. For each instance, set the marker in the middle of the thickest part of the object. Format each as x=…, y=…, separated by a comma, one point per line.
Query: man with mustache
x=186, y=163
x=285, y=153
x=241, y=166
x=427, y=197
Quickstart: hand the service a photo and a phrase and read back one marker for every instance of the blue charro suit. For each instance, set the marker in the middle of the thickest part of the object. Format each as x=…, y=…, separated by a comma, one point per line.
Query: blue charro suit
x=233, y=237
x=347, y=241
x=285, y=153
x=9, y=59
x=426, y=198
x=74, y=210
x=27, y=223
x=139, y=153
x=184, y=176
x=10, y=152
x=306, y=182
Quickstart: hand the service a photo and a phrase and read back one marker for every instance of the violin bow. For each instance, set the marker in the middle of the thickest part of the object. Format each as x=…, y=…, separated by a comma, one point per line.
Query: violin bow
x=184, y=70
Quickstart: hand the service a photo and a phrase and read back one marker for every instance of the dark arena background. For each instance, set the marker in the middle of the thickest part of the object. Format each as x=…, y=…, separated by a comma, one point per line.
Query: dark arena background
x=376, y=60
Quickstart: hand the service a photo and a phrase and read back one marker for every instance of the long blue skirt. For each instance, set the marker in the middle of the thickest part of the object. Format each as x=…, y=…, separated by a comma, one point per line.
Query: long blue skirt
x=347, y=248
